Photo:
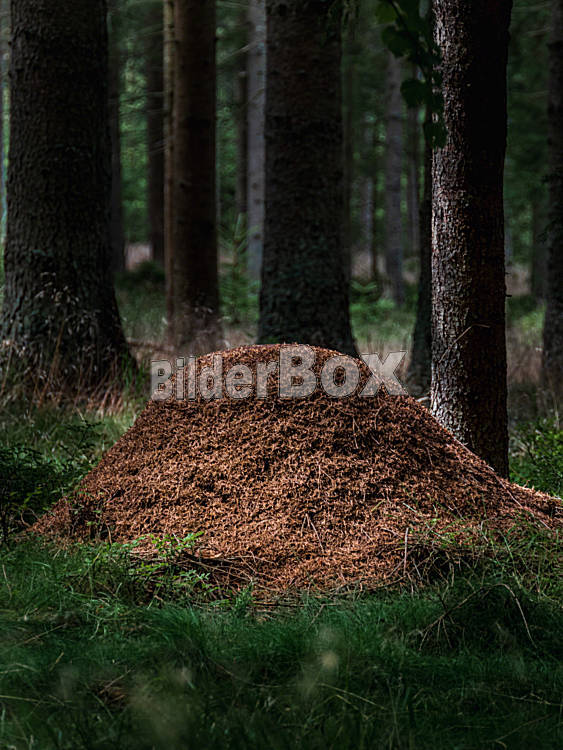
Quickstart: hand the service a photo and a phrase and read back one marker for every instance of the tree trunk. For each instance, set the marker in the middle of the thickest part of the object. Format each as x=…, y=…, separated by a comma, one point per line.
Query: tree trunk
x=195, y=325
x=420, y=364
x=117, y=236
x=552, y=363
x=393, y=171
x=256, y=81
x=60, y=321
x=241, y=103
x=539, y=252
x=413, y=189
x=348, y=91
x=155, y=128
x=304, y=294
x=367, y=209
x=169, y=57
x=468, y=393
x=3, y=81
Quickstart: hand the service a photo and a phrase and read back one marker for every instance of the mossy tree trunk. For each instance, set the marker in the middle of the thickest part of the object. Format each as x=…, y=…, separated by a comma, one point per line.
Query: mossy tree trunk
x=304, y=295
x=59, y=317
x=468, y=392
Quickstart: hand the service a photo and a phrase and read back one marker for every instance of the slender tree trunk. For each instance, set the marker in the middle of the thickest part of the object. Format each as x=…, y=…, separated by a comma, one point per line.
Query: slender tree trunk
x=348, y=90
x=539, y=253
x=553, y=328
x=115, y=62
x=413, y=189
x=3, y=25
x=241, y=98
x=367, y=212
x=195, y=325
x=60, y=322
x=393, y=171
x=304, y=293
x=169, y=165
x=256, y=92
x=420, y=364
x=155, y=128
x=468, y=393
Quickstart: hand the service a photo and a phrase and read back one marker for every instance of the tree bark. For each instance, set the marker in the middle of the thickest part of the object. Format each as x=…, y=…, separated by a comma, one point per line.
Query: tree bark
x=420, y=364
x=60, y=323
x=155, y=128
x=468, y=393
x=169, y=56
x=393, y=171
x=195, y=324
x=552, y=361
x=256, y=92
x=115, y=63
x=304, y=294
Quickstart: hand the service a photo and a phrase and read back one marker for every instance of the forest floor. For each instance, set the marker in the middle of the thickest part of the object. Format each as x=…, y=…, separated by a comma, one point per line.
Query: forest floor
x=99, y=649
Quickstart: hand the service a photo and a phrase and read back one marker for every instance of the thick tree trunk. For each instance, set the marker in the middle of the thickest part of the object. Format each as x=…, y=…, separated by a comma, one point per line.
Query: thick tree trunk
x=393, y=171
x=117, y=236
x=553, y=328
x=256, y=92
x=468, y=392
x=304, y=294
x=60, y=320
x=420, y=364
x=155, y=128
x=195, y=325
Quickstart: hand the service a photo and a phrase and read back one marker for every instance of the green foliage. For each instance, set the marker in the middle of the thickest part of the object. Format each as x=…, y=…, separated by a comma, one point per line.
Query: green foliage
x=538, y=456
x=407, y=33
x=87, y=661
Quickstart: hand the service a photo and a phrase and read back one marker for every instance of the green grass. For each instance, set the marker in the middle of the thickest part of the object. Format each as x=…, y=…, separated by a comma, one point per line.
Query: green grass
x=86, y=661
x=98, y=650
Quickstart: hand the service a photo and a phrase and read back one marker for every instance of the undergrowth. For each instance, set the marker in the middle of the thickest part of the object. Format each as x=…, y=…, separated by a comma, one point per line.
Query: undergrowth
x=104, y=648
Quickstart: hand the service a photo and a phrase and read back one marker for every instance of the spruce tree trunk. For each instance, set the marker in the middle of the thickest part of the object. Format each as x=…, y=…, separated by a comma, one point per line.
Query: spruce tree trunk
x=195, y=324
x=60, y=320
x=468, y=391
x=393, y=171
x=304, y=294
x=115, y=62
x=553, y=328
x=420, y=364
x=241, y=191
x=256, y=92
x=155, y=129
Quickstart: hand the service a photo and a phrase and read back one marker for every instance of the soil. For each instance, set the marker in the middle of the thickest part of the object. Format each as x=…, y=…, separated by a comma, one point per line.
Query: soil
x=317, y=492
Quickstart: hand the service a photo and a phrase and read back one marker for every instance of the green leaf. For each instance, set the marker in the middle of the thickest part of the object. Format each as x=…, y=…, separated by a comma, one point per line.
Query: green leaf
x=435, y=133
x=414, y=92
x=384, y=12
x=396, y=41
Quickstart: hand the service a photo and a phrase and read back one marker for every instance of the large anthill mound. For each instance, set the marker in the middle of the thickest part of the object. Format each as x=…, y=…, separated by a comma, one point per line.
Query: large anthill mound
x=319, y=490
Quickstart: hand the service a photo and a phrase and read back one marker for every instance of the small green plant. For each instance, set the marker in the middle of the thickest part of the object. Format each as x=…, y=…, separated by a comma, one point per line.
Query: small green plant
x=537, y=458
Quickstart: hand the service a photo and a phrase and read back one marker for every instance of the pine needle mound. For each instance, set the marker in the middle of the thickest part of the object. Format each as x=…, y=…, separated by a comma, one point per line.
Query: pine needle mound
x=293, y=493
